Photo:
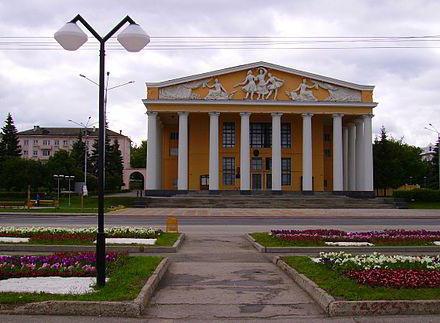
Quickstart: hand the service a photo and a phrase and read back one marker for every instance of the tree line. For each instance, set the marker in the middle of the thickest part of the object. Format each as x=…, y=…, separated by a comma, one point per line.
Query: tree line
x=17, y=173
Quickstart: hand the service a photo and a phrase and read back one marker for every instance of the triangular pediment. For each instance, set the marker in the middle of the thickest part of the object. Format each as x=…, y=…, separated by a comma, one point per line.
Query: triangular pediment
x=259, y=81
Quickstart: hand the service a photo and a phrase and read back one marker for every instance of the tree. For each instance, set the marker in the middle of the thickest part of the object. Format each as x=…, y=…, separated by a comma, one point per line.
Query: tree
x=139, y=155
x=396, y=163
x=78, y=151
x=17, y=173
x=9, y=144
x=432, y=174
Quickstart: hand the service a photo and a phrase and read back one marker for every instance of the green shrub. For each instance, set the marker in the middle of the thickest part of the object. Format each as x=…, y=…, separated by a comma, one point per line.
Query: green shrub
x=5, y=196
x=418, y=195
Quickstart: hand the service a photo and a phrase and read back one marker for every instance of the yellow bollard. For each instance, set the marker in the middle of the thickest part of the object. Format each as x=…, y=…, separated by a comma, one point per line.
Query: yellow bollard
x=172, y=224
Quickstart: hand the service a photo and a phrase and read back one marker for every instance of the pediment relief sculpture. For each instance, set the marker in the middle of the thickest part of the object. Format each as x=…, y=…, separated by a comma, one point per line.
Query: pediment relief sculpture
x=336, y=93
x=259, y=85
x=217, y=91
x=182, y=91
x=303, y=92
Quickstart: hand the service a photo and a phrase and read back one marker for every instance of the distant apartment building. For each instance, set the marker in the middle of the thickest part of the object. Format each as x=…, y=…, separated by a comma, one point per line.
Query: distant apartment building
x=428, y=152
x=40, y=143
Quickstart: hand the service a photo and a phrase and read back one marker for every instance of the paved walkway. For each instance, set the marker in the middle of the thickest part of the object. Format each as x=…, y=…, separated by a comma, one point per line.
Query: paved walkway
x=223, y=277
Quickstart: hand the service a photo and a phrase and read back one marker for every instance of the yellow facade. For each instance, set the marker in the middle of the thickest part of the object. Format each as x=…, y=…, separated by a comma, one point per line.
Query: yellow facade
x=167, y=108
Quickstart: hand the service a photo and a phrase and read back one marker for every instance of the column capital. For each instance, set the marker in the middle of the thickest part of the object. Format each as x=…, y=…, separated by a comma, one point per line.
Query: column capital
x=338, y=115
x=276, y=114
x=369, y=115
x=307, y=114
x=183, y=113
x=243, y=114
x=214, y=113
x=151, y=113
x=359, y=121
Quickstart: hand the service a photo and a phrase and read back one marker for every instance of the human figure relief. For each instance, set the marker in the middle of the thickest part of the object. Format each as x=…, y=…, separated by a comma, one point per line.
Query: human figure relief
x=262, y=83
x=248, y=85
x=216, y=92
x=274, y=83
x=304, y=92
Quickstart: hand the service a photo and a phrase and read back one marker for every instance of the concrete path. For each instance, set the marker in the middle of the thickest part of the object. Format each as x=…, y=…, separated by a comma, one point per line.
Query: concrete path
x=223, y=277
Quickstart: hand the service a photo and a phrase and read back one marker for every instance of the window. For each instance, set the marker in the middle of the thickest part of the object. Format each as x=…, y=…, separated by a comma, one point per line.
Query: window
x=46, y=142
x=26, y=142
x=228, y=134
x=46, y=152
x=25, y=152
x=65, y=142
x=327, y=152
x=286, y=167
x=174, y=135
x=57, y=142
x=228, y=170
x=174, y=151
x=268, y=163
x=327, y=137
x=256, y=163
x=35, y=153
x=286, y=136
x=261, y=135
x=35, y=141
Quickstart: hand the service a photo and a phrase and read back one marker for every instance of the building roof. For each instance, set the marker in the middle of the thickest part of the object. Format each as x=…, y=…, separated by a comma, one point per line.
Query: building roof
x=260, y=64
x=62, y=131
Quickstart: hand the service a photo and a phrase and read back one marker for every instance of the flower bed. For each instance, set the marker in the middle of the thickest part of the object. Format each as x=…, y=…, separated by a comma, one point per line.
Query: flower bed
x=386, y=237
x=394, y=271
x=82, y=264
x=76, y=235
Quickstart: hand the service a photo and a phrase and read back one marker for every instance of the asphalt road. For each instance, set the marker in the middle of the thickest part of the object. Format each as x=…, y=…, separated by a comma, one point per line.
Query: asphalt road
x=227, y=224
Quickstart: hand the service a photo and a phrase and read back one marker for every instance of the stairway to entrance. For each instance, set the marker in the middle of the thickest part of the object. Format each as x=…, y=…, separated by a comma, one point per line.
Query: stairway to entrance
x=215, y=277
x=290, y=201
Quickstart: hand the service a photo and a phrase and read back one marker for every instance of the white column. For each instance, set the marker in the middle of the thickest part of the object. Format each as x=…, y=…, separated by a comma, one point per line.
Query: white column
x=182, y=169
x=276, y=151
x=307, y=152
x=345, y=152
x=338, y=168
x=213, y=151
x=244, y=152
x=368, y=153
x=351, y=157
x=359, y=154
x=151, y=180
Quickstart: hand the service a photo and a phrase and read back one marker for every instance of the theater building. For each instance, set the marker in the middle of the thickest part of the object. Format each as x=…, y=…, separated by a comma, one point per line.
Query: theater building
x=259, y=127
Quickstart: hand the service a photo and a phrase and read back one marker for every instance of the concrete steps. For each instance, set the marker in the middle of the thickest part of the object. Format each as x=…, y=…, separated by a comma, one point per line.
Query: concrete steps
x=294, y=201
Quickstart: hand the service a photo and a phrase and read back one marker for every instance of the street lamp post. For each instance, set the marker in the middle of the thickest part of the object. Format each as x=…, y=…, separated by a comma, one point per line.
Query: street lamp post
x=433, y=129
x=86, y=152
x=133, y=38
x=69, y=178
x=58, y=178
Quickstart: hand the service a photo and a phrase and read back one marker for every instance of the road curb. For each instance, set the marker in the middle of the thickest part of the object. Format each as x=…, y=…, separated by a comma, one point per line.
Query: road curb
x=132, y=308
x=76, y=248
x=357, y=308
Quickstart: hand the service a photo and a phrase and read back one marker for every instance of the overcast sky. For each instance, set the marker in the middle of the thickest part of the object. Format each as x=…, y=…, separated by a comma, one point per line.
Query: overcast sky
x=43, y=87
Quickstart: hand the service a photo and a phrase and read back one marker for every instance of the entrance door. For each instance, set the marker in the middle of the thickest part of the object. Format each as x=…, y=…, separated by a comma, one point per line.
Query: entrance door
x=204, y=182
x=256, y=181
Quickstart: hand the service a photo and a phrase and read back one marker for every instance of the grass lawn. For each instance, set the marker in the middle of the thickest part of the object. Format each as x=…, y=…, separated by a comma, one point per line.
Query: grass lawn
x=266, y=240
x=424, y=205
x=344, y=288
x=90, y=205
x=126, y=281
x=164, y=240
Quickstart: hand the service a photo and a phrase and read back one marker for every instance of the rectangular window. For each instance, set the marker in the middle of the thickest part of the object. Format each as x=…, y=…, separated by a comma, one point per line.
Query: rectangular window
x=26, y=142
x=35, y=153
x=35, y=141
x=286, y=135
x=65, y=142
x=256, y=163
x=261, y=135
x=228, y=134
x=25, y=152
x=174, y=135
x=268, y=163
x=57, y=142
x=286, y=167
x=327, y=152
x=174, y=151
x=327, y=137
x=228, y=170
x=46, y=152
x=46, y=142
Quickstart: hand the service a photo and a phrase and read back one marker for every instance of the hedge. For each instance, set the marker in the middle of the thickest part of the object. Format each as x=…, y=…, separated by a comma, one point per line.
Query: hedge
x=4, y=196
x=418, y=195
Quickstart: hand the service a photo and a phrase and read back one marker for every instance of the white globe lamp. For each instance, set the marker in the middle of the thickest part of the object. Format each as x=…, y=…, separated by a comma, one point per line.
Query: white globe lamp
x=70, y=36
x=133, y=38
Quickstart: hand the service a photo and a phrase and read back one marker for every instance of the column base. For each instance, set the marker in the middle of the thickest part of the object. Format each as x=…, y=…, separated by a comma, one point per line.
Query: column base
x=361, y=194
x=307, y=192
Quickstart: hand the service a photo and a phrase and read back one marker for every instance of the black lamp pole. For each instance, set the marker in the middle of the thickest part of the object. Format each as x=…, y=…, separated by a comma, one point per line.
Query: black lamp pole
x=100, y=238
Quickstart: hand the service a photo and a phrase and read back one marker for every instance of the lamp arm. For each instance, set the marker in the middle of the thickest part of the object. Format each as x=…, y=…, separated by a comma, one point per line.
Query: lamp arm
x=117, y=27
x=88, y=27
